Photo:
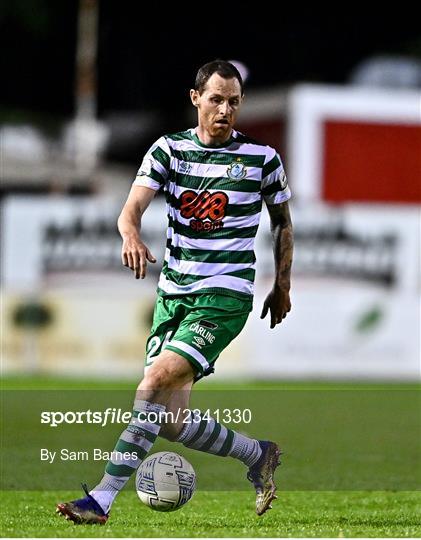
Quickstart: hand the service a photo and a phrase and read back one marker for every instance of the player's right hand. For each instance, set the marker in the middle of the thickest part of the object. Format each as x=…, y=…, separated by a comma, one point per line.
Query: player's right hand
x=135, y=254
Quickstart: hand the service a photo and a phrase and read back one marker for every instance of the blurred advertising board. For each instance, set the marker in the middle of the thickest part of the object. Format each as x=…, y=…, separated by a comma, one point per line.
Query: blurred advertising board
x=70, y=307
x=355, y=144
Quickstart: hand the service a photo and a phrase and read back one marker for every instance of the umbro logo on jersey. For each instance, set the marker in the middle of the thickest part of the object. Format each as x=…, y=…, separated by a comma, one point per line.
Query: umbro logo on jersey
x=199, y=341
x=237, y=170
x=184, y=167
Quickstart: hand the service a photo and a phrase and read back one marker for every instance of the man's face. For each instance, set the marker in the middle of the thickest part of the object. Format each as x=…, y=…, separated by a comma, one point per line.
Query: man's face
x=218, y=106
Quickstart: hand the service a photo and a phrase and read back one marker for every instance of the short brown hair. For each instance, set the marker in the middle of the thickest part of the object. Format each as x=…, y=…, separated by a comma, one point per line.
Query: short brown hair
x=223, y=68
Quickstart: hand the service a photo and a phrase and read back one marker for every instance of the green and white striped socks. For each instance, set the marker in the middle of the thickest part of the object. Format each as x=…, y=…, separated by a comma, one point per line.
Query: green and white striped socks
x=208, y=435
x=131, y=449
x=203, y=434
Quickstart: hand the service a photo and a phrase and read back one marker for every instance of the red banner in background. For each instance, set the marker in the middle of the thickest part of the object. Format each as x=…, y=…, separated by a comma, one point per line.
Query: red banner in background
x=371, y=162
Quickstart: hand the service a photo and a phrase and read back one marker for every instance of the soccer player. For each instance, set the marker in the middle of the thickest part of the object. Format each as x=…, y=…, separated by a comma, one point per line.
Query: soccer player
x=215, y=180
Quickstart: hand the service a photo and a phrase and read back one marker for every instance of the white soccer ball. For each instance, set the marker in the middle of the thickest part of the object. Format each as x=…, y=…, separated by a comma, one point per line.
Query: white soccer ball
x=165, y=481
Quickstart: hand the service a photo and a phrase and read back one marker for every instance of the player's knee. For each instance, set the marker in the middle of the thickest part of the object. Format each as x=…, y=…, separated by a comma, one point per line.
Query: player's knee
x=154, y=387
x=169, y=371
x=156, y=379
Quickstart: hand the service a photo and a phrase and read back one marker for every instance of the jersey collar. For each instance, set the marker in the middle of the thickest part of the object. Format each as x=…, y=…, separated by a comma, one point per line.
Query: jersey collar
x=196, y=139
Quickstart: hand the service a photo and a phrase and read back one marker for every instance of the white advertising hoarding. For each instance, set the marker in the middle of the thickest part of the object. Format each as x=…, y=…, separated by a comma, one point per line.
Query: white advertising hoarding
x=355, y=292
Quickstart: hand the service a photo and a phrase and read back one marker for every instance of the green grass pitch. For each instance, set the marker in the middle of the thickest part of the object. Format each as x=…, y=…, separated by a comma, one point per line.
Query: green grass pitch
x=351, y=465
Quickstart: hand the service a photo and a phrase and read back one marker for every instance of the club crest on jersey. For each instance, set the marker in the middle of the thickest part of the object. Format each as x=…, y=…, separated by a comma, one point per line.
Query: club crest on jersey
x=237, y=170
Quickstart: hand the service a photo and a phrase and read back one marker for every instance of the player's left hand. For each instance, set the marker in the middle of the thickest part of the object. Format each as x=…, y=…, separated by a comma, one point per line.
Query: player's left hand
x=279, y=304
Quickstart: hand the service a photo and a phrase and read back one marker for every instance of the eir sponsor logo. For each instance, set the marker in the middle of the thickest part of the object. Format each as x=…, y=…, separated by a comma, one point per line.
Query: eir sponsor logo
x=202, y=331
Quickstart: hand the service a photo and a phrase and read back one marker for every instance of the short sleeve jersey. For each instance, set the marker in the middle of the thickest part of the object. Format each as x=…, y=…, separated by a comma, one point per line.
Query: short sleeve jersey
x=214, y=199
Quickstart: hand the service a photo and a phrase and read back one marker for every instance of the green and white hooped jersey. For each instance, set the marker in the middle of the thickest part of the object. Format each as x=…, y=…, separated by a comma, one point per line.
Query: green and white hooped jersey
x=214, y=199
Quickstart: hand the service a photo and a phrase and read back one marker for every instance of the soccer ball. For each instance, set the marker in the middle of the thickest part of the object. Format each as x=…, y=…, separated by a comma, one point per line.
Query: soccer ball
x=165, y=481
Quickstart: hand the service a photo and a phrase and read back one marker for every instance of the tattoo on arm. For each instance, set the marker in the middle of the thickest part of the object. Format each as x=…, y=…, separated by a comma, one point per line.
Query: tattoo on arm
x=283, y=242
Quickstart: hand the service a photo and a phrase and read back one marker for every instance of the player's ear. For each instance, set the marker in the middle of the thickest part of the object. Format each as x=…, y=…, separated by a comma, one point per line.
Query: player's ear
x=194, y=96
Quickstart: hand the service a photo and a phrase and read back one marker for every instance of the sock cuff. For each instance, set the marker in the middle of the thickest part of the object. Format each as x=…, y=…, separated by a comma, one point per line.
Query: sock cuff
x=255, y=458
x=245, y=449
x=182, y=436
x=109, y=483
x=141, y=405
